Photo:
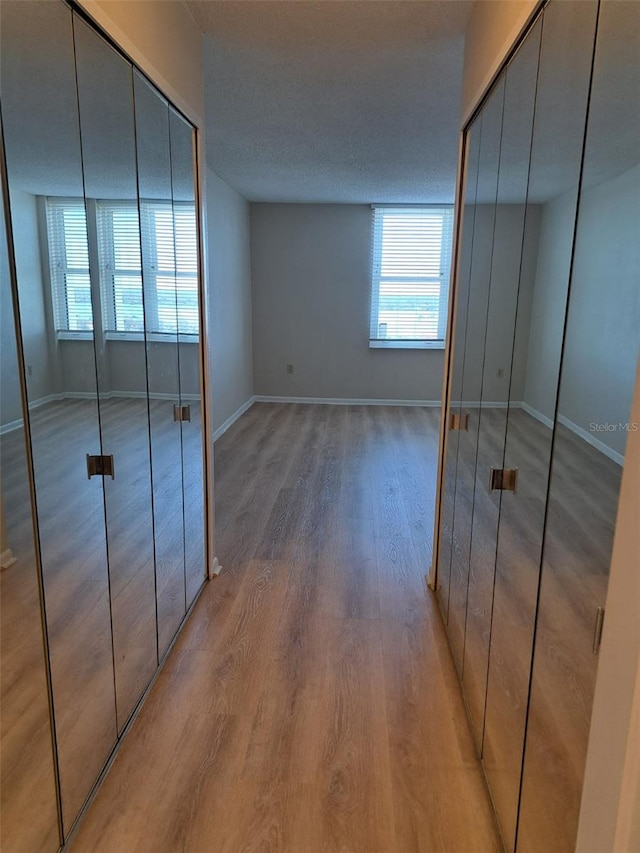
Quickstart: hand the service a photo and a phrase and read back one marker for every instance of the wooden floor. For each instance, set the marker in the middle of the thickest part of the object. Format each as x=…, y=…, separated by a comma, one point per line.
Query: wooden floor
x=311, y=703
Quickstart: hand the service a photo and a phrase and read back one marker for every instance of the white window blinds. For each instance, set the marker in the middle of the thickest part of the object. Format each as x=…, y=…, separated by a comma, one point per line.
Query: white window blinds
x=170, y=251
x=147, y=261
x=411, y=263
x=69, y=265
x=120, y=266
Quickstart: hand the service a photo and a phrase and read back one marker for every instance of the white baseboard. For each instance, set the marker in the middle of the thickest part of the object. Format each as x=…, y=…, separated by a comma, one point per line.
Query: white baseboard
x=233, y=418
x=142, y=395
x=34, y=404
x=490, y=404
x=10, y=426
x=537, y=415
x=603, y=448
x=127, y=395
x=616, y=457
x=343, y=401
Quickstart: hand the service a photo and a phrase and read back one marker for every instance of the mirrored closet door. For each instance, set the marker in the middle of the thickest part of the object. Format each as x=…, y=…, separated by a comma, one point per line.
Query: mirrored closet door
x=152, y=115
x=549, y=160
x=105, y=98
x=598, y=367
x=103, y=229
x=27, y=780
x=54, y=294
x=188, y=308
x=545, y=345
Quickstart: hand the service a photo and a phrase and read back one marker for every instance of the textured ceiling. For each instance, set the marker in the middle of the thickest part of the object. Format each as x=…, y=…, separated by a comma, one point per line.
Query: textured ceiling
x=334, y=100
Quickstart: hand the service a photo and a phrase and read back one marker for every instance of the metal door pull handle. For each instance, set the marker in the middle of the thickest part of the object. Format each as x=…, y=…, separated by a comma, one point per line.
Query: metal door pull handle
x=503, y=479
x=457, y=422
x=100, y=466
x=181, y=413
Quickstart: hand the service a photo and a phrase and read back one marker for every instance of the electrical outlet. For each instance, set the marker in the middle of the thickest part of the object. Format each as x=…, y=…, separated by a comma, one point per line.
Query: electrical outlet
x=500, y=373
x=289, y=368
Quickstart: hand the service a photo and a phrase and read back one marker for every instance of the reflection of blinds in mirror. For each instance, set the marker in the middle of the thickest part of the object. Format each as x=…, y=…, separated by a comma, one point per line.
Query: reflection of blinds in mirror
x=120, y=266
x=69, y=265
x=170, y=252
x=156, y=279
x=411, y=262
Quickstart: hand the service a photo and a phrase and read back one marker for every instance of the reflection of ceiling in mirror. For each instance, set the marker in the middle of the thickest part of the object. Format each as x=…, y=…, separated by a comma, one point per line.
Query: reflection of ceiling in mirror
x=613, y=140
x=41, y=114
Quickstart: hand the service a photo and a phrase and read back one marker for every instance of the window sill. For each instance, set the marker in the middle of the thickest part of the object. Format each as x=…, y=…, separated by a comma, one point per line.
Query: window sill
x=152, y=337
x=66, y=335
x=391, y=344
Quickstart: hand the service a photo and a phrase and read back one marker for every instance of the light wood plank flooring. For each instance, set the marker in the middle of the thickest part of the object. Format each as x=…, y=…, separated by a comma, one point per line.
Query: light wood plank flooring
x=311, y=703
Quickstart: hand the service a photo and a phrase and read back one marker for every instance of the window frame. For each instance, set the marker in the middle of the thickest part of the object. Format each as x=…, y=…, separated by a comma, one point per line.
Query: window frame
x=442, y=280
x=58, y=269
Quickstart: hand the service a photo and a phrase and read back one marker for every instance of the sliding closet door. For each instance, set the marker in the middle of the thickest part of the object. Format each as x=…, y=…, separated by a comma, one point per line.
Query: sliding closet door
x=161, y=324
x=188, y=300
x=551, y=168
x=44, y=164
x=27, y=780
x=599, y=359
x=457, y=413
x=105, y=96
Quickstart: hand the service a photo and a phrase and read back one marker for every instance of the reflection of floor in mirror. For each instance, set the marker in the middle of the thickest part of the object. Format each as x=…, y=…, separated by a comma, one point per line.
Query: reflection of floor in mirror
x=581, y=519
x=584, y=499
x=27, y=782
x=80, y=613
x=310, y=703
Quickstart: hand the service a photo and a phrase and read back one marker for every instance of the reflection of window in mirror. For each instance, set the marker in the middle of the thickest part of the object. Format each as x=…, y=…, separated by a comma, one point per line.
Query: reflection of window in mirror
x=169, y=260
x=69, y=265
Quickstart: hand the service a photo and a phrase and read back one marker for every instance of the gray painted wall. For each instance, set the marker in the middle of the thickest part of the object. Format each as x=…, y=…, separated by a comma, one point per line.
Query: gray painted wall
x=10, y=407
x=603, y=326
x=508, y=266
x=42, y=380
x=548, y=305
x=310, y=267
x=598, y=378
x=229, y=284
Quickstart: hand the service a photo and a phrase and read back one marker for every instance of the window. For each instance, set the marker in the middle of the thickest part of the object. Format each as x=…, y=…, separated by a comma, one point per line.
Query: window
x=69, y=262
x=411, y=263
x=171, y=266
x=120, y=266
x=165, y=272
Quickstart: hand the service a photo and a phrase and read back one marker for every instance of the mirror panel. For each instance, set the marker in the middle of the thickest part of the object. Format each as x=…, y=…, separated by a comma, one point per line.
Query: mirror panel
x=161, y=322
x=105, y=96
x=187, y=303
x=463, y=587
x=448, y=539
x=44, y=165
x=471, y=387
x=497, y=358
x=27, y=781
x=567, y=42
x=599, y=359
